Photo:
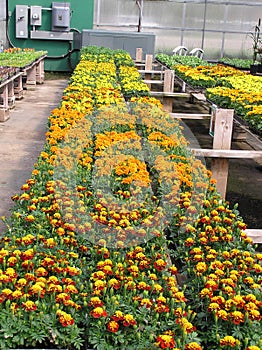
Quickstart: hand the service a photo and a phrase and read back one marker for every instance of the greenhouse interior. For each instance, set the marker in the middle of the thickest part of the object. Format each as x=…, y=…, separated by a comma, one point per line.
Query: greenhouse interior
x=131, y=185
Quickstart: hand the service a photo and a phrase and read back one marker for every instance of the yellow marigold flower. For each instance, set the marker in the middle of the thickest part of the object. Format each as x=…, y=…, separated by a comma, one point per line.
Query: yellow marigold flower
x=228, y=340
x=17, y=294
x=193, y=346
x=201, y=267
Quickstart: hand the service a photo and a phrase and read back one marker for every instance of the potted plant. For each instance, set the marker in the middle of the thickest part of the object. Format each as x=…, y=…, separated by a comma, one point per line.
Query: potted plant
x=256, y=67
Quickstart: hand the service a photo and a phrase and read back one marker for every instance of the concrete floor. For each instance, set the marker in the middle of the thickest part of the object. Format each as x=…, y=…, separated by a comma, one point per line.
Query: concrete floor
x=22, y=138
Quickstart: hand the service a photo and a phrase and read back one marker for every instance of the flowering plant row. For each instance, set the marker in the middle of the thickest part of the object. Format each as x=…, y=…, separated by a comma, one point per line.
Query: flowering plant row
x=16, y=57
x=85, y=259
x=225, y=86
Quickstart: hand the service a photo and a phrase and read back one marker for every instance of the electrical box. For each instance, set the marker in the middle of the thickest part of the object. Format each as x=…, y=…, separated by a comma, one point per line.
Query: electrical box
x=61, y=16
x=36, y=15
x=21, y=21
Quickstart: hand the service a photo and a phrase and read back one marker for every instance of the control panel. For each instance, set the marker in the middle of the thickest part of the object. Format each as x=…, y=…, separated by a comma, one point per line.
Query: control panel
x=21, y=21
x=60, y=16
x=36, y=15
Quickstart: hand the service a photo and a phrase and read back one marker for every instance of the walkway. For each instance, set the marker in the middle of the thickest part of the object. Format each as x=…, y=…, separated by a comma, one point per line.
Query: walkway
x=22, y=138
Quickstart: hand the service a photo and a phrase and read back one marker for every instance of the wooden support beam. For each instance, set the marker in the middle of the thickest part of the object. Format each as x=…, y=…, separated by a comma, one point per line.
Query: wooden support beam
x=152, y=81
x=223, y=128
x=255, y=235
x=161, y=94
x=222, y=141
x=139, y=54
x=227, y=154
x=199, y=97
x=149, y=62
x=168, y=80
x=150, y=71
x=195, y=116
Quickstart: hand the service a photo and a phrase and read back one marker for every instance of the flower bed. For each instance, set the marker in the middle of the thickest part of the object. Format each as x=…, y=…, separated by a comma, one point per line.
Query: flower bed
x=116, y=213
x=16, y=57
x=225, y=86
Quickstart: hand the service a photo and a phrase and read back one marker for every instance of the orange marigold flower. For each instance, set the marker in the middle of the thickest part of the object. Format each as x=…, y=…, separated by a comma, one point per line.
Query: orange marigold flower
x=222, y=314
x=64, y=318
x=254, y=315
x=113, y=326
x=146, y=302
x=165, y=341
x=29, y=305
x=98, y=312
x=201, y=267
x=62, y=297
x=95, y=302
x=228, y=340
x=30, y=218
x=118, y=315
x=160, y=264
x=193, y=346
x=129, y=320
x=237, y=317
x=173, y=270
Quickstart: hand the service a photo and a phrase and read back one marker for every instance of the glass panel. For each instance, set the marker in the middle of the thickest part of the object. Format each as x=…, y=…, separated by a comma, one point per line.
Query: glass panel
x=212, y=45
x=181, y=22
x=237, y=46
x=161, y=14
x=167, y=40
x=194, y=15
x=215, y=15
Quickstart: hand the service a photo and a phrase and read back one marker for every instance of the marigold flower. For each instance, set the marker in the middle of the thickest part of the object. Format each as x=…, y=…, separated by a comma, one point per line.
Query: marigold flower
x=228, y=340
x=222, y=314
x=146, y=302
x=129, y=320
x=64, y=318
x=95, y=302
x=165, y=341
x=160, y=264
x=62, y=297
x=30, y=218
x=254, y=315
x=193, y=346
x=113, y=326
x=118, y=315
x=98, y=312
x=29, y=305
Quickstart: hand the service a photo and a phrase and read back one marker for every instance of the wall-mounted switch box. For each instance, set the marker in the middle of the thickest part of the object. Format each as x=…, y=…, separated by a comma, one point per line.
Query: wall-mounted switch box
x=36, y=15
x=21, y=21
x=61, y=16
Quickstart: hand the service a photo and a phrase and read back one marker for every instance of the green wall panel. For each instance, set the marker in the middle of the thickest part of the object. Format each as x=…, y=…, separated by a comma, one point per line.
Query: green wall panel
x=59, y=57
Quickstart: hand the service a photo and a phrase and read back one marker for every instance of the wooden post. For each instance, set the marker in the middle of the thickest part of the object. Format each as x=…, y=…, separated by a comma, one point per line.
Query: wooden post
x=222, y=140
x=168, y=80
x=149, y=62
x=139, y=54
x=168, y=87
x=148, y=67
